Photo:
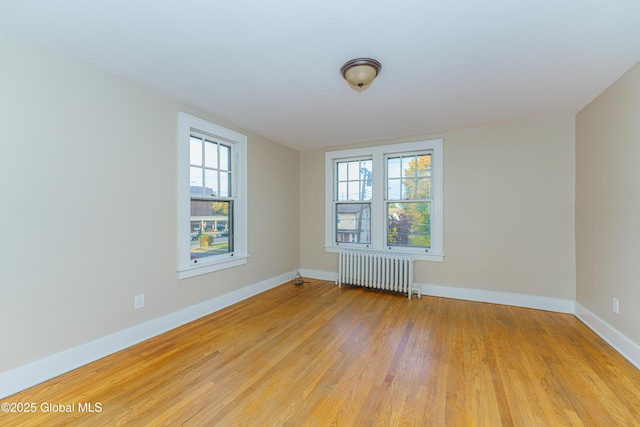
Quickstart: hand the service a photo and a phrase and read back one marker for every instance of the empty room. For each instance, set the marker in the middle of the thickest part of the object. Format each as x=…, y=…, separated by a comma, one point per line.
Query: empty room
x=320, y=213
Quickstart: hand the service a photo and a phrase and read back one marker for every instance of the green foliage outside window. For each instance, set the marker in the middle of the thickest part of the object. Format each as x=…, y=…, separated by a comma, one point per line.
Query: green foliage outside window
x=409, y=222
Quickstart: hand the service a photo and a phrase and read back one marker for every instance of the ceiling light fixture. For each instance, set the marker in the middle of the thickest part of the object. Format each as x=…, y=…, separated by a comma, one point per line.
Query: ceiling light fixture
x=360, y=72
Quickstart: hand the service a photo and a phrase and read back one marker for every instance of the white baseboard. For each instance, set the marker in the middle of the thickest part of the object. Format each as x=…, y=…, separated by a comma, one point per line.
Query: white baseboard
x=623, y=345
x=506, y=298
x=28, y=375
x=319, y=274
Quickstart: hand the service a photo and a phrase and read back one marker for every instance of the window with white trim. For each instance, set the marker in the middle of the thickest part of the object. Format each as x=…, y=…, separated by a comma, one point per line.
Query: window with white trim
x=386, y=198
x=212, y=197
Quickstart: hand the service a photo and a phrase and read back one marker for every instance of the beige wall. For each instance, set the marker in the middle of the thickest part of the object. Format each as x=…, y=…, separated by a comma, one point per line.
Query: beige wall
x=88, y=171
x=608, y=203
x=508, y=210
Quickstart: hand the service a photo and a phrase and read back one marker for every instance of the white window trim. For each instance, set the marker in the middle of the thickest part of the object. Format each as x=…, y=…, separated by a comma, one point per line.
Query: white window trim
x=378, y=220
x=239, y=256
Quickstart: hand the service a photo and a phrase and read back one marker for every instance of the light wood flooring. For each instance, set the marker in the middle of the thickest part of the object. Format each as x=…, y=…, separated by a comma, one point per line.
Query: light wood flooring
x=319, y=355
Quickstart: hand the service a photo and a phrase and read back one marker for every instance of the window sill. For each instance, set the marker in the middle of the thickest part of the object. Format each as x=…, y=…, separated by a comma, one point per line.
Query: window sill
x=419, y=256
x=184, y=272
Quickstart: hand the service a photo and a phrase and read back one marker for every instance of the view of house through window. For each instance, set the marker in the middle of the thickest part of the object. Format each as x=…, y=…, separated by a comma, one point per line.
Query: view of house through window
x=353, y=223
x=211, y=217
x=210, y=228
x=353, y=187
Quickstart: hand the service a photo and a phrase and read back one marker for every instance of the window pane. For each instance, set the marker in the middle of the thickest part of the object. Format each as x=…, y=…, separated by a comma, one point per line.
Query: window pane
x=423, y=188
x=342, y=191
x=353, y=223
x=225, y=184
x=424, y=165
x=195, y=151
x=408, y=189
x=393, y=189
x=195, y=181
x=366, y=171
x=365, y=191
x=354, y=170
x=211, y=182
x=225, y=158
x=354, y=190
x=211, y=228
x=408, y=166
x=409, y=224
x=342, y=171
x=393, y=167
x=211, y=154
x=366, y=165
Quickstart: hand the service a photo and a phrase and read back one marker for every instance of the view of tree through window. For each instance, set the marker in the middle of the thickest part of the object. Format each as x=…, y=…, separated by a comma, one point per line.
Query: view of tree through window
x=409, y=199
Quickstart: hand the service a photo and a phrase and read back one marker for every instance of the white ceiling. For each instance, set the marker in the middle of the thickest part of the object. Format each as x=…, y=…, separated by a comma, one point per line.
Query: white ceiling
x=272, y=67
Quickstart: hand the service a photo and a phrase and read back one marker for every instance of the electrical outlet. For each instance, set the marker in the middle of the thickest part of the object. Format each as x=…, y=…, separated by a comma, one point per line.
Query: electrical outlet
x=616, y=306
x=138, y=301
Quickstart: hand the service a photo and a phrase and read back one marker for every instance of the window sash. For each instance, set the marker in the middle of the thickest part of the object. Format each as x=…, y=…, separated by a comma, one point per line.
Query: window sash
x=211, y=166
x=409, y=224
x=408, y=176
x=211, y=224
x=353, y=179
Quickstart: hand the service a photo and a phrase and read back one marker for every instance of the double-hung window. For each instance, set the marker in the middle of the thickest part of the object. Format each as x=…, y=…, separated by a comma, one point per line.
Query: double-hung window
x=386, y=198
x=212, y=197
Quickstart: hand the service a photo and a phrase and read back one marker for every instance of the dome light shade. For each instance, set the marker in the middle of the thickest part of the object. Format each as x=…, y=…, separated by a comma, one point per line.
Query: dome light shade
x=360, y=73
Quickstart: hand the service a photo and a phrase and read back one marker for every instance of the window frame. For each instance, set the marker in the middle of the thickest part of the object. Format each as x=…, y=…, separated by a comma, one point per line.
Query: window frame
x=379, y=219
x=187, y=267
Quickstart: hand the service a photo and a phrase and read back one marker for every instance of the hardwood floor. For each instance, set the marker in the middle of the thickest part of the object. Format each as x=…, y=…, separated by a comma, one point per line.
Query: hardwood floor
x=319, y=355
